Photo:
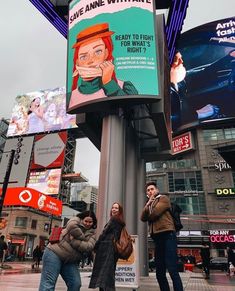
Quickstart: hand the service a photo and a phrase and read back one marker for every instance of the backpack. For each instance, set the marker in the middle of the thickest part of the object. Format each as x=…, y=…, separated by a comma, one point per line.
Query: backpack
x=55, y=235
x=123, y=247
x=175, y=211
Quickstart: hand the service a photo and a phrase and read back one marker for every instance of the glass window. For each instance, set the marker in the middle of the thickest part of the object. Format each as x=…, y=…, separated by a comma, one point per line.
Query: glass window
x=34, y=224
x=185, y=181
x=229, y=133
x=21, y=222
x=191, y=205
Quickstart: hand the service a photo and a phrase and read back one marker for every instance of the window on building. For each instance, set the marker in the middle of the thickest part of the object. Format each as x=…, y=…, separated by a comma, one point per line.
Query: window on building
x=185, y=181
x=219, y=134
x=34, y=224
x=191, y=205
x=21, y=222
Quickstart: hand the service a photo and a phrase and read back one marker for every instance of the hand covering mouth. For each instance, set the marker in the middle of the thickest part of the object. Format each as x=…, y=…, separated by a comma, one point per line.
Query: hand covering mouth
x=88, y=72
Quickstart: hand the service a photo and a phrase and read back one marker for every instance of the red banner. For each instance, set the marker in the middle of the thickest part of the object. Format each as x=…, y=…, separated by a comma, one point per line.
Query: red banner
x=32, y=198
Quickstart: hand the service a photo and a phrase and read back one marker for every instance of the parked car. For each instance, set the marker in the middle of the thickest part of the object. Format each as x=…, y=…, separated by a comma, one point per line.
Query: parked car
x=218, y=263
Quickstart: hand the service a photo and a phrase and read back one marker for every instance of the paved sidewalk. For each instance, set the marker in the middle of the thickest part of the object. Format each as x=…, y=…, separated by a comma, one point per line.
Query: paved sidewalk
x=22, y=278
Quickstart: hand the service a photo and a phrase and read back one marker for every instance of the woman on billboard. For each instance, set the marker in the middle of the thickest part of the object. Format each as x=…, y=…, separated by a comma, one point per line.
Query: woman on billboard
x=93, y=72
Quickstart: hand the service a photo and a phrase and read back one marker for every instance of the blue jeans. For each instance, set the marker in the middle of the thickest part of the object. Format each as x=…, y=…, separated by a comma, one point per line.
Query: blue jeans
x=166, y=259
x=52, y=267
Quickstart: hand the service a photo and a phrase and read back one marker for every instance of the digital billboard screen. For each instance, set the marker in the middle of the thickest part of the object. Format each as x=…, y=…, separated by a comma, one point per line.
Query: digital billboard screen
x=49, y=150
x=203, y=75
x=47, y=182
x=40, y=111
x=111, y=54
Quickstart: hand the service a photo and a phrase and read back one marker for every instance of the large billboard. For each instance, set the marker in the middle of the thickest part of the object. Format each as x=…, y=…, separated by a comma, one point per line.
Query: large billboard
x=47, y=181
x=49, y=150
x=21, y=196
x=40, y=111
x=112, y=57
x=19, y=171
x=203, y=75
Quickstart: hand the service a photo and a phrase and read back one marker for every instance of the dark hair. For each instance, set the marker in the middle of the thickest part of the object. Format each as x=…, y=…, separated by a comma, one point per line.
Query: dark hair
x=88, y=213
x=150, y=183
x=120, y=216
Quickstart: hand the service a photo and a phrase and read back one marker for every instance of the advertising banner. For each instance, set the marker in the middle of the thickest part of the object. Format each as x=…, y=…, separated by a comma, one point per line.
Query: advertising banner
x=203, y=75
x=127, y=271
x=47, y=182
x=22, y=196
x=111, y=53
x=20, y=166
x=49, y=150
x=40, y=111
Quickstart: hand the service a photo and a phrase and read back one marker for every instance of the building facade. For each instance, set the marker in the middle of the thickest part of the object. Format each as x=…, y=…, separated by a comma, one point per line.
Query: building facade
x=202, y=183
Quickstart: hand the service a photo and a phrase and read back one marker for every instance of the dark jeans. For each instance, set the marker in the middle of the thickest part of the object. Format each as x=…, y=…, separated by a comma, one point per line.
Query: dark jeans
x=166, y=259
x=206, y=268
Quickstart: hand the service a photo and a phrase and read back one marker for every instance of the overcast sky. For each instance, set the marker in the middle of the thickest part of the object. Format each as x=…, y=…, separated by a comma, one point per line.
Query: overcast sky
x=33, y=57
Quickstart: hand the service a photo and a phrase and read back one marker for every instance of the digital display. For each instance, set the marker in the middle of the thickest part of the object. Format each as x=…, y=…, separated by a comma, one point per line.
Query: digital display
x=40, y=111
x=203, y=75
x=47, y=182
x=111, y=56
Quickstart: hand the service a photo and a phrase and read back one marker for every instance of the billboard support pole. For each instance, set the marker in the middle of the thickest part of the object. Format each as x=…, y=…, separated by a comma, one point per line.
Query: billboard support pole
x=6, y=179
x=112, y=159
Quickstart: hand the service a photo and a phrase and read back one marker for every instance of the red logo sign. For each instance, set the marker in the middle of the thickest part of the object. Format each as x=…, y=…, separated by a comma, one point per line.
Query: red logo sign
x=182, y=143
x=32, y=198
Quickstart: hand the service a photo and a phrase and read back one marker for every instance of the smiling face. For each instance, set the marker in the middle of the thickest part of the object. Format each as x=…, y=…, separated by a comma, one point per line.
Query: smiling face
x=115, y=209
x=91, y=55
x=87, y=222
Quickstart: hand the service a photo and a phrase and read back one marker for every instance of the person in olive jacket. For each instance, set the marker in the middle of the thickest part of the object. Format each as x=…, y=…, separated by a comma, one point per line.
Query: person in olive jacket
x=162, y=230
x=103, y=273
x=62, y=258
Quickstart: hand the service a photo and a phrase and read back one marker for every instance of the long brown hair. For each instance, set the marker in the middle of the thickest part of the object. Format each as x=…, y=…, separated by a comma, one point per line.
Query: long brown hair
x=120, y=215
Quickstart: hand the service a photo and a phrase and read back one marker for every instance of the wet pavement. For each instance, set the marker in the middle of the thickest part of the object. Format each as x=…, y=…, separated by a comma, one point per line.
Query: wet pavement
x=20, y=276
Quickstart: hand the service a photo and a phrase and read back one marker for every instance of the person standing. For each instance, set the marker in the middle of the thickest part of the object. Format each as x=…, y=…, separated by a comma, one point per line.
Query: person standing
x=3, y=248
x=103, y=273
x=230, y=257
x=205, y=255
x=161, y=227
x=61, y=258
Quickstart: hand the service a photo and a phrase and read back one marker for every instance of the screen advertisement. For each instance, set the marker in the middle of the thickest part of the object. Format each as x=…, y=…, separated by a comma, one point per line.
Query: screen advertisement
x=47, y=182
x=21, y=196
x=111, y=54
x=49, y=150
x=203, y=75
x=40, y=111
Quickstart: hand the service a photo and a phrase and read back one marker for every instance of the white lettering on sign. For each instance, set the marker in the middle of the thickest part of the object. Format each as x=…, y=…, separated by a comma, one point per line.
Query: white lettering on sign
x=182, y=143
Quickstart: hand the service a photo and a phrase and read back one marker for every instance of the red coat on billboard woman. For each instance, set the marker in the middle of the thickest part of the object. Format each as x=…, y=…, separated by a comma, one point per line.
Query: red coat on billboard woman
x=93, y=72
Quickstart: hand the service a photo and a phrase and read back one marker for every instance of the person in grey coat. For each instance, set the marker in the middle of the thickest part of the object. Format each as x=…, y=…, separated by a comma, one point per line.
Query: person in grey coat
x=61, y=258
x=103, y=273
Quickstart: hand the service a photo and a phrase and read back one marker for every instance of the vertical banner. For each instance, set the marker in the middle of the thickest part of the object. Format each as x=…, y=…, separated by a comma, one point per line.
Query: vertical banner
x=127, y=271
x=111, y=53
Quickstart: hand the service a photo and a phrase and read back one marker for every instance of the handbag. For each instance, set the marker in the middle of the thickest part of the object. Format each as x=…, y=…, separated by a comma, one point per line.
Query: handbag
x=124, y=246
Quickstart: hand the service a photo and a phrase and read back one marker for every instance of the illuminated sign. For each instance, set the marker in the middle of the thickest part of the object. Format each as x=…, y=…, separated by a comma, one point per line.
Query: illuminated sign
x=221, y=236
x=21, y=196
x=40, y=111
x=204, y=54
x=47, y=182
x=49, y=150
x=110, y=54
x=182, y=143
x=225, y=192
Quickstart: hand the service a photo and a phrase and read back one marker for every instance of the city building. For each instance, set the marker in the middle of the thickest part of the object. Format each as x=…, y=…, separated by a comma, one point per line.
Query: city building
x=202, y=183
